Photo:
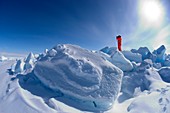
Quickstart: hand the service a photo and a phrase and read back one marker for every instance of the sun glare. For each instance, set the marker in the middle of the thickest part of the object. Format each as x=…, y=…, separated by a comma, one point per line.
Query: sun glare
x=151, y=12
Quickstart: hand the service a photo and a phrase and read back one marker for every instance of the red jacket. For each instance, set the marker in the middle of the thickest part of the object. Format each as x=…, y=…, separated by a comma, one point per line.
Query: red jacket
x=119, y=40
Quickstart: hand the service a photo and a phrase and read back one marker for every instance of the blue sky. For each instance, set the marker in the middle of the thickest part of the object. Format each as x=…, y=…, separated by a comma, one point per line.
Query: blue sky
x=33, y=25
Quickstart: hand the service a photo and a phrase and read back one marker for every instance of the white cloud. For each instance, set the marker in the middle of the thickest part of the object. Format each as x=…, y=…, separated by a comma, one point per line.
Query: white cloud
x=12, y=54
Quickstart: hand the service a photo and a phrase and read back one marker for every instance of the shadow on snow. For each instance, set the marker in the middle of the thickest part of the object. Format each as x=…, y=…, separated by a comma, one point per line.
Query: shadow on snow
x=32, y=84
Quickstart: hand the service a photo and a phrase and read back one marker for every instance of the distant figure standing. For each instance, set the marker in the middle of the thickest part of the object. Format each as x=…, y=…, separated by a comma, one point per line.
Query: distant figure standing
x=119, y=41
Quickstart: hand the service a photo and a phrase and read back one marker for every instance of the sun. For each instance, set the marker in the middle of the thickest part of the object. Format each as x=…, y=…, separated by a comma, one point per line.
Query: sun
x=151, y=12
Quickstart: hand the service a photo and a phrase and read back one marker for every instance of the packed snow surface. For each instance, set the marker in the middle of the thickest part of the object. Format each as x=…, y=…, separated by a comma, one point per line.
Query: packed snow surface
x=165, y=73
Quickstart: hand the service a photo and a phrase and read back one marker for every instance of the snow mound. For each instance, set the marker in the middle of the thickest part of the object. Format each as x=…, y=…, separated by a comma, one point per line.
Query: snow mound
x=83, y=76
x=120, y=61
x=138, y=79
x=156, y=99
x=152, y=102
x=3, y=58
x=116, y=57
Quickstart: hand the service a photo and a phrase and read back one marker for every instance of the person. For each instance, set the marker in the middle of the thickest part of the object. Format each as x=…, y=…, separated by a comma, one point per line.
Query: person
x=119, y=41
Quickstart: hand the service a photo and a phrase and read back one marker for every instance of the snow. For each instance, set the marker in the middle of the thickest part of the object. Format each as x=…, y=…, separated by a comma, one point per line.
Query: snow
x=141, y=77
x=29, y=61
x=109, y=50
x=117, y=58
x=166, y=63
x=19, y=67
x=120, y=61
x=81, y=75
x=24, y=64
x=144, y=51
x=157, y=65
x=137, y=105
x=70, y=79
x=3, y=58
x=154, y=102
x=167, y=60
x=45, y=51
x=165, y=74
x=52, y=52
x=136, y=57
x=157, y=56
x=160, y=53
x=30, y=57
x=14, y=99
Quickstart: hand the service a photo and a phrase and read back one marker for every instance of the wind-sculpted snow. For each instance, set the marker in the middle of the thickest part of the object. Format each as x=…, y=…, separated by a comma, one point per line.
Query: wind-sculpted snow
x=84, y=77
x=154, y=100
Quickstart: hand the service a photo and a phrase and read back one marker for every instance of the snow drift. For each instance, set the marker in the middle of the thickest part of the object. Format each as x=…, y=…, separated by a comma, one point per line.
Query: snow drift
x=84, y=77
x=155, y=99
